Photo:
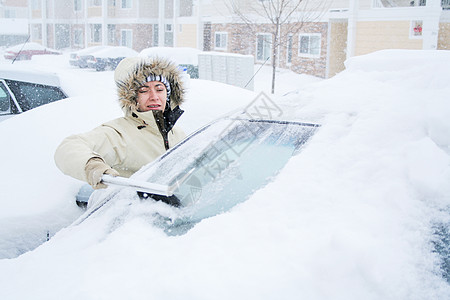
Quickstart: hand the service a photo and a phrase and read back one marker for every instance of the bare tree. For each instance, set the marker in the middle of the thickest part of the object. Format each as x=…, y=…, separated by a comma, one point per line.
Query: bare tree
x=282, y=16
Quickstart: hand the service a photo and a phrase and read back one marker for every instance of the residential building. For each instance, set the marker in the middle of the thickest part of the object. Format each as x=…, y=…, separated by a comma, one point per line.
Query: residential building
x=138, y=24
x=316, y=42
x=13, y=22
x=373, y=25
x=345, y=28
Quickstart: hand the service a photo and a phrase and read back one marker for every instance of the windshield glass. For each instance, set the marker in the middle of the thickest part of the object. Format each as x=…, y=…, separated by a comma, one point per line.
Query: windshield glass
x=230, y=160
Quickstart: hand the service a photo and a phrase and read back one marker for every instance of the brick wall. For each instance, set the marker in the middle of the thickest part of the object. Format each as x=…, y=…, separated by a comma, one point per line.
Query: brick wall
x=315, y=66
x=242, y=40
x=444, y=36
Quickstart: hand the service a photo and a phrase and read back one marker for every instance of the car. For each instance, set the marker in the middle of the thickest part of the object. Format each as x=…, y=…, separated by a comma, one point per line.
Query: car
x=185, y=57
x=212, y=170
x=109, y=58
x=25, y=89
x=79, y=58
x=27, y=51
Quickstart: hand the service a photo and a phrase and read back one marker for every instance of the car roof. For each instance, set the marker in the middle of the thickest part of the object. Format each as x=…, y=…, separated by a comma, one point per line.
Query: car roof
x=28, y=46
x=89, y=50
x=180, y=55
x=19, y=73
x=118, y=51
x=92, y=52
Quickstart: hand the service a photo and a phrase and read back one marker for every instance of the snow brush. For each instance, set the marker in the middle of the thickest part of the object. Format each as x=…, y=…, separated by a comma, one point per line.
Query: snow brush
x=139, y=186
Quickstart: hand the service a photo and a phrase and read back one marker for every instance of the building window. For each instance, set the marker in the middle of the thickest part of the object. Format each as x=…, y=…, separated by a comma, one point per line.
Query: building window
x=289, y=50
x=10, y=13
x=309, y=45
x=111, y=34
x=168, y=36
x=263, y=46
x=416, y=29
x=96, y=33
x=445, y=4
x=155, y=35
x=36, y=32
x=77, y=5
x=78, y=37
x=95, y=2
x=127, y=3
x=35, y=4
x=126, y=38
x=221, y=40
x=186, y=7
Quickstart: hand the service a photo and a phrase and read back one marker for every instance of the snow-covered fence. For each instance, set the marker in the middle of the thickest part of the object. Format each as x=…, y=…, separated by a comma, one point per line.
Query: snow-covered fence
x=230, y=68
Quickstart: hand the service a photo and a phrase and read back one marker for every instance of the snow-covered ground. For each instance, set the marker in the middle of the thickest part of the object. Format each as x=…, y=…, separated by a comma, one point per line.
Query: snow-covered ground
x=354, y=216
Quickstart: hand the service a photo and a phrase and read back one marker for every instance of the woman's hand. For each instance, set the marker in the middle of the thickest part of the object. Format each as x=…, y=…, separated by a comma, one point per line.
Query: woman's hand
x=95, y=168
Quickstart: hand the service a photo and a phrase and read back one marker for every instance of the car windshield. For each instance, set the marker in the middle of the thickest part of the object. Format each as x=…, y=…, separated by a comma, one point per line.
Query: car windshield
x=223, y=164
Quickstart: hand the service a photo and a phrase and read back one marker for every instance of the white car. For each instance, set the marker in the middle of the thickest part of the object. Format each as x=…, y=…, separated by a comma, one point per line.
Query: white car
x=80, y=57
x=109, y=58
x=24, y=89
x=27, y=51
x=183, y=56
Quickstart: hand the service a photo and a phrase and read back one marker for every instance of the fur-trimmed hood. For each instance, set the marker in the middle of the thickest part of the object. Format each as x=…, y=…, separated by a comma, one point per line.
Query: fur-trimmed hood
x=132, y=73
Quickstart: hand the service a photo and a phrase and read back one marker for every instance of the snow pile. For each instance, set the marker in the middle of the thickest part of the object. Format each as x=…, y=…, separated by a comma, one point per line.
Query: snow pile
x=353, y=216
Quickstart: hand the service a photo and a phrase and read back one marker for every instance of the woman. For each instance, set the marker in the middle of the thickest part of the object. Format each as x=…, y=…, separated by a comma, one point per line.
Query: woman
x=150, y=92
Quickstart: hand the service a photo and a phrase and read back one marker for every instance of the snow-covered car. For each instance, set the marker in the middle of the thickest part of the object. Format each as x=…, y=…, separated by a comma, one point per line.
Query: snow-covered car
x=79, y=58
x=182, y=56
x=28, y=50
x=109, y=58
x=212, y=170
x=25, y=89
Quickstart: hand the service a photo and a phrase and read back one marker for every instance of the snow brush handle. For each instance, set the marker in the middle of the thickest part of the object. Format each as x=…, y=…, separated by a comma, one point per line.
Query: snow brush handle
x=140, y=186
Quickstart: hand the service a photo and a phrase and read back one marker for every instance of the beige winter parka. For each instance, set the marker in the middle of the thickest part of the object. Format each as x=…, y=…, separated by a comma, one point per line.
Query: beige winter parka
x=128, y=143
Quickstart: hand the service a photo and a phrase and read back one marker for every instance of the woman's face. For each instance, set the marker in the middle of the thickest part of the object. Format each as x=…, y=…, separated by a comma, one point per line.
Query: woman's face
x=152, y=96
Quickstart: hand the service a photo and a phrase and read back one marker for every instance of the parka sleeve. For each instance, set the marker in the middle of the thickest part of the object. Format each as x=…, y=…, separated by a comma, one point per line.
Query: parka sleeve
x=74, y=152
